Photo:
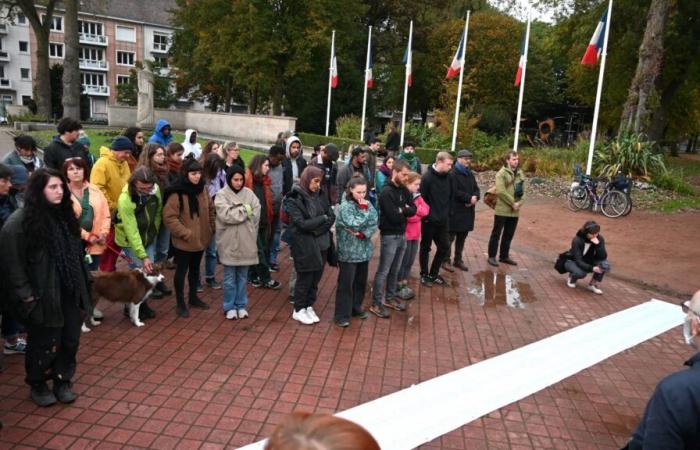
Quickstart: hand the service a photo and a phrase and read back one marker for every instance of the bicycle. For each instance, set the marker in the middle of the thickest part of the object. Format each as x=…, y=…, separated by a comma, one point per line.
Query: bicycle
x=623, y=184
x=584, y=195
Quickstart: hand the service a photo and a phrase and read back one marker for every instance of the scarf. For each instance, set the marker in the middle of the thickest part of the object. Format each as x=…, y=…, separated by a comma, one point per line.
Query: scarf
x=183, y=187
x=65, y=248
x=385, y=170
x=410, y=158
x=173, y=166
x=161, y=171
x=464, y=170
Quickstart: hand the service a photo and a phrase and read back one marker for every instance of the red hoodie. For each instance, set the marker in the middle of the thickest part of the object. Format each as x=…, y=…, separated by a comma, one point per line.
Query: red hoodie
x=413, y=226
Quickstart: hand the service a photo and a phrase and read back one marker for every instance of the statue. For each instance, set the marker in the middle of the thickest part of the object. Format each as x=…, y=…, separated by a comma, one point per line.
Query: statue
x=144, y=111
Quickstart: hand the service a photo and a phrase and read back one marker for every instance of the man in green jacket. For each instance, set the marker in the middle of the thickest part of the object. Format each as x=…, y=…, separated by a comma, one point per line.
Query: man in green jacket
x=510, y=194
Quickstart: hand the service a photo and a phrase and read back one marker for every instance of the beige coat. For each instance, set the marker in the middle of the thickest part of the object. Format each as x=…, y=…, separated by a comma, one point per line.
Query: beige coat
x=190, y=235
x=237, y=226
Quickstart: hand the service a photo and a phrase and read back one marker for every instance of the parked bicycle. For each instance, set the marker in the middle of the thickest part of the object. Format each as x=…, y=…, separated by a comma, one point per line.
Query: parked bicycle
x=583, y=194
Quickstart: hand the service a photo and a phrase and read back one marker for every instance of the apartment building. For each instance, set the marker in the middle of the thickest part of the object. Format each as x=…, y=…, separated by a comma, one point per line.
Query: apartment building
x=113, y=35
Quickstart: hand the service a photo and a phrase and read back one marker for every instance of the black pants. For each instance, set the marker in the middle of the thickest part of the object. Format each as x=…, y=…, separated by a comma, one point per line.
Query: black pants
x=458, y=238
x=306, y=287
x=51, y=351
x=352, y=283
x=261, y=271
x=187, y=263
x=505, y=225
x=433, y=233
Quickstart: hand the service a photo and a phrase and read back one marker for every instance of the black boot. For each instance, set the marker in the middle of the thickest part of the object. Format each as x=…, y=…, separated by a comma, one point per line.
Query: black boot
x=196, y=302
x=181, y=308
x=163, y=288
x=145, y=312
x=62, y=391
x=41, y=395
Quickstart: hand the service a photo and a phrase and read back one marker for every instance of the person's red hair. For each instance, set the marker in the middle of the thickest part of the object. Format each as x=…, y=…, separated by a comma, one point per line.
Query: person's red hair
x=77, y=162
x=306, y=431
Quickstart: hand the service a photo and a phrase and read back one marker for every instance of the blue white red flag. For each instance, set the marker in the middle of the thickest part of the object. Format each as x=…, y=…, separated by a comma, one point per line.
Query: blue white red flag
x=407, y=60
x=456, y=65
x=521, y=64
x=595, y=47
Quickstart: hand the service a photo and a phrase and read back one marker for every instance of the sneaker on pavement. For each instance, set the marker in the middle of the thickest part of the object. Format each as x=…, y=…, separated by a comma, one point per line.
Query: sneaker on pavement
x=508, y=261
x=272, y=284
x=426, y=281
x=18, y=347
x=97, y=314
x=62, y=391
x=437, y=279
x=255, y=282
x=42, y=395
x=461, y=266
x=493, y=262
x=379, y=311
x=571, y=283
x=448, y=267
x=232, y=314
x=274, y=268
x=360, y=315
x=242, y=313
x=311, y=313
x=303, y=317
x=195, y=302
x=342, y=323
x=593, y=288
x=395, y=303
x=406, y=293
x=213, y=284
x=200, y=288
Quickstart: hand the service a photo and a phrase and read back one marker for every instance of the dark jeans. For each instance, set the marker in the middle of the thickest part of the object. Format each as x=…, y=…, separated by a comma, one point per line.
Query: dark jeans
x=577, y=273
x=187, y=263
x=352, y=283
x=261, y=271
x=505, y=225
x=458, y=239
x=51, y=351
x=409, y=257
x=306, y=287
x=391, y=253
x=433, y=233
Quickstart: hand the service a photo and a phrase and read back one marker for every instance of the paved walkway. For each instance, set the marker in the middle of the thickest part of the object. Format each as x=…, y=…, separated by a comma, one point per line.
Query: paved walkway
x=206, y=382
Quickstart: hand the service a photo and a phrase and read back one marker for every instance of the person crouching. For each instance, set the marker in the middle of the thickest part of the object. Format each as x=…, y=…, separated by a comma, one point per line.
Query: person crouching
x=587, y=255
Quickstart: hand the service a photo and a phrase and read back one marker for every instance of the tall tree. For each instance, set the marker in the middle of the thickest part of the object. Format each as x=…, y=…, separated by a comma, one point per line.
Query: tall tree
x=638, y=109
x=71, y=70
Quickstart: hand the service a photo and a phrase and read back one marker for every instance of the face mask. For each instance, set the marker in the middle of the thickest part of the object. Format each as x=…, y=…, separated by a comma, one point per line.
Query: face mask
x=688, y=332
x=26, y=159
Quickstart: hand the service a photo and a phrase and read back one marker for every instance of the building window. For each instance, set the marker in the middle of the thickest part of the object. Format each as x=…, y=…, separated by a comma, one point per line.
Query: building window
x=123, y=79
x=7, y=99
x=2, y=71
x=125, y=58
x=161, y=61
x=21, y=19
x=90, y=28
x=91, y=54
x=160, y=42
x=26, y=99
x=55, y=50
x=23, y=47
x=93, y=79
x=126, y=34
x=24, y=73
x=56, y=23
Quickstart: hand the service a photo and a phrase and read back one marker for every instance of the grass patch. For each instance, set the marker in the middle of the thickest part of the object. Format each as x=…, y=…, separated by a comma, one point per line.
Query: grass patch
x=103, y=137
x=673, y=182
x=679, y=204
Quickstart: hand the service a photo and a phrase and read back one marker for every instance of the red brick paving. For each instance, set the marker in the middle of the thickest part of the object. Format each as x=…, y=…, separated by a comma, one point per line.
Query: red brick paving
x=206, y=382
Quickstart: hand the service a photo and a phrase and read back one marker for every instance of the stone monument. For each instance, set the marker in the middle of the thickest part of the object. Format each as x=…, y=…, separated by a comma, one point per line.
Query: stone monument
x=144, y=111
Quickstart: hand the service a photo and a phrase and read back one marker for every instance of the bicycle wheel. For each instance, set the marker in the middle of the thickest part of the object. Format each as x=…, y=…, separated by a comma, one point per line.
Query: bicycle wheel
x=629, y=204
x=578, y=198
x=614, y=204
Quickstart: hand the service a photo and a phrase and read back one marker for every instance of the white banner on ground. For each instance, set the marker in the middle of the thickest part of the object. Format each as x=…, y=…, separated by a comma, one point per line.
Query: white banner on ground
x=426, y=411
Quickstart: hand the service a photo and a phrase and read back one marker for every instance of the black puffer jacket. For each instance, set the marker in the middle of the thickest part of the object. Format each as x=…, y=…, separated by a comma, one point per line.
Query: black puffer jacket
x=311, y=220
x=586, y=260
x=436, y=190
x=462, y=214
x=33, y=274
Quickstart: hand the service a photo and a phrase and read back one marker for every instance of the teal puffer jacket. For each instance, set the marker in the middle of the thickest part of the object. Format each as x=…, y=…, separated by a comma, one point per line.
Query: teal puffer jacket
x=354, y=248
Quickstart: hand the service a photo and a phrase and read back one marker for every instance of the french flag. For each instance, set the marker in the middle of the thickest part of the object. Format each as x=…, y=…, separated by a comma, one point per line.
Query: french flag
x=456, y=65
x=521, y=64
x=595, y=47
x=334, y=71
x=370, y=78
x=407, y=60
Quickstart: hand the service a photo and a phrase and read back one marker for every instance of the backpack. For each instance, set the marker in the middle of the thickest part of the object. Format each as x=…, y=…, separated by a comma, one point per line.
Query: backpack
x=490, y=197
x=560, y=264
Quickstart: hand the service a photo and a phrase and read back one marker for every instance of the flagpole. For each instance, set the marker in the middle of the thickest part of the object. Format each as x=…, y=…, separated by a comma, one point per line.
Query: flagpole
x=599, y=93
x=522, y=81
x=461, y=77
x=330, y=81
x=364, y=97
x=409, y=63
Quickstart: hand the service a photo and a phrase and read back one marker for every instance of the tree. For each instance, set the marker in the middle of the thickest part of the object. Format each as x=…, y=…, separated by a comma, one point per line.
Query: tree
x=71, y=69
x=163, y=95
x=42, y=82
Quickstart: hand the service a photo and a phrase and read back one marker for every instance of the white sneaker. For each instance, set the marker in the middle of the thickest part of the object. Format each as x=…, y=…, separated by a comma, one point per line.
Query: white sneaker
x=97, y=314
x=303, y=317
x=593, y=288
x=311, y=313
x=571, y=284
x=231, y=314
x=242, y=313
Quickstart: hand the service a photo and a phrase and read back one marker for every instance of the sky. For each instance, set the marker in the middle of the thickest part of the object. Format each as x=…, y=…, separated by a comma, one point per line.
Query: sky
x=538, y=12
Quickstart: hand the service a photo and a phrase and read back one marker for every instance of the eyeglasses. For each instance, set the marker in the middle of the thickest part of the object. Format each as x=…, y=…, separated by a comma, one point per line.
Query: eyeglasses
x=685, y=307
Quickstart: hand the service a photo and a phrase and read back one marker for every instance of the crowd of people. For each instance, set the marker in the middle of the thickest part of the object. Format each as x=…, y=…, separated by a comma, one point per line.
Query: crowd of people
x=158, y=204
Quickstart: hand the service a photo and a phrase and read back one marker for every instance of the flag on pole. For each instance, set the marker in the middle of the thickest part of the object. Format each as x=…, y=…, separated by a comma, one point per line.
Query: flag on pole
x=334, y=70
x=370, y=78
x=595, y=47
x=521, y=64
x=456, y=65
x=407, y=60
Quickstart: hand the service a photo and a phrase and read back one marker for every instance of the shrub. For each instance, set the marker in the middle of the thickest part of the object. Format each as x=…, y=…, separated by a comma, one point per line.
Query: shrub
x=26, y=118
x=630, y=154
x=348, y=127
x=673, y=182
x=494, y=120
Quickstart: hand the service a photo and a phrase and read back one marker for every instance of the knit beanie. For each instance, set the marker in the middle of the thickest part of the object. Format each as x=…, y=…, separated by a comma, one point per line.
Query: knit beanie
x=190, y=165
x=121, y=143
x=20, y=175
x=83, y=140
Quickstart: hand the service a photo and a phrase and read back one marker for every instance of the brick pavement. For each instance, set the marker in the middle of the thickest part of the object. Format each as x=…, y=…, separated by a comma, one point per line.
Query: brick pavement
x=206, y=382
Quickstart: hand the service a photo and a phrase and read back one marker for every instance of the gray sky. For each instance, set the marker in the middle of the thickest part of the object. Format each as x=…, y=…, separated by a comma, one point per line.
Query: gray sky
x=538, y=12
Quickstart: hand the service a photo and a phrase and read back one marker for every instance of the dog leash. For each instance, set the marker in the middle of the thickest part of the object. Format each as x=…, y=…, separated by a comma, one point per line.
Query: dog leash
x=122, y=254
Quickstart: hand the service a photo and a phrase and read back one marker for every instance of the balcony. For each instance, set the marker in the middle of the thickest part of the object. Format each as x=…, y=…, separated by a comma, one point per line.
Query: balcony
x=4, y=56
x=91, y=89
x=93, y=39
x=5, y=83
x=93, y=64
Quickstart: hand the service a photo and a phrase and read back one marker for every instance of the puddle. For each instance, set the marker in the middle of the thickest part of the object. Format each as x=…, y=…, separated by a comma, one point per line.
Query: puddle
x=496, y=288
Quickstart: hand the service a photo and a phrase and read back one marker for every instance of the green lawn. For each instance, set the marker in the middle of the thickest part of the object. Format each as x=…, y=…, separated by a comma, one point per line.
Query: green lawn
x=103, y=137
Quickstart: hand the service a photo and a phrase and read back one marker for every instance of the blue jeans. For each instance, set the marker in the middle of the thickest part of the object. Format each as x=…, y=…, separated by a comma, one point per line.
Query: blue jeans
x=393, y=247
x=210, y=260
x=162, y=245
x=135, y=260
x=235, y=290
x=275, y=241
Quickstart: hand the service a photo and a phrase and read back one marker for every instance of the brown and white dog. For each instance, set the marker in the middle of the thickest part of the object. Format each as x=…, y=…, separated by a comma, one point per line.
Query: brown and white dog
x=129, y=287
